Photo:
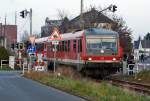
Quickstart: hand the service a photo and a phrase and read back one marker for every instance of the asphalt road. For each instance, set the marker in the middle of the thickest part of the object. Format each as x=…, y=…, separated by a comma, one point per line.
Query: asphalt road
x=16, y=88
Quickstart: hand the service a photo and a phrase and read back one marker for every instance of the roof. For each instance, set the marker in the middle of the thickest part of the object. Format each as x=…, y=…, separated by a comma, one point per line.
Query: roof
x=93, y=14
x=145, y=43
x=41, y=40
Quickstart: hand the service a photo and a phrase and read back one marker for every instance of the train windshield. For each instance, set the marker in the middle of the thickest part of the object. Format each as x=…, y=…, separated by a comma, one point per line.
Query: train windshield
x=100, y=45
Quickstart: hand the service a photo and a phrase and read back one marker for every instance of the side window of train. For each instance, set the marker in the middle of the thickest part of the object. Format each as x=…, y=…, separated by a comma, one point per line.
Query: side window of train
x=60, y=46
x=49, y=47
x=79, y=45
x=68, y=45
x=57, y=47
x=74, y=45
x=63, y=45
x=45, y=46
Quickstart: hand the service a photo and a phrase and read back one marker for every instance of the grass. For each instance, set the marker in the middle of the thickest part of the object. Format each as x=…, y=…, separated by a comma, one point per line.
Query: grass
x=83, y=87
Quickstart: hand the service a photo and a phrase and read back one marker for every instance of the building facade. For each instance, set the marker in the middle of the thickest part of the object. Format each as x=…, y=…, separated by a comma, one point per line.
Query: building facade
x=8, y=34
x=92, y=18
x=141, y=47
x=46, y=30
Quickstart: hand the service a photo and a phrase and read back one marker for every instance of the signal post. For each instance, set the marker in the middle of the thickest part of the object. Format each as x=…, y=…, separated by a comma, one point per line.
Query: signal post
x=55, y=38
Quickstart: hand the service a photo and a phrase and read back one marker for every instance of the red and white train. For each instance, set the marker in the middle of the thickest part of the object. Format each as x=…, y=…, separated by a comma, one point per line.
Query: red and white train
x=93, y=49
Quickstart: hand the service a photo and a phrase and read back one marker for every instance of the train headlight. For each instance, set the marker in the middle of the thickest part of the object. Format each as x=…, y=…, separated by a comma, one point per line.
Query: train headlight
x=102, y=51
x=114, y=59
x=89, y=59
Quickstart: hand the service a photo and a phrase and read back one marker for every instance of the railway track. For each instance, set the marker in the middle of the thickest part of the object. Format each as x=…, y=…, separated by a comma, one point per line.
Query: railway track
x=138, y=87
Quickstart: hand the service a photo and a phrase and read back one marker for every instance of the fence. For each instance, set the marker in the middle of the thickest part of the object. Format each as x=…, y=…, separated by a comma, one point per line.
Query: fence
x=136, y=68
x=4, y=64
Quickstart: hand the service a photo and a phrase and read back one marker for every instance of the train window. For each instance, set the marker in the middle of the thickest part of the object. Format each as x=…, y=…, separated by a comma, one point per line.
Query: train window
x=49, y=46
x=79, y=45
x=74, y=45
x=107, y=44
x=63, y=44
x=60, y=46
x=57, y=47
x=68, y=45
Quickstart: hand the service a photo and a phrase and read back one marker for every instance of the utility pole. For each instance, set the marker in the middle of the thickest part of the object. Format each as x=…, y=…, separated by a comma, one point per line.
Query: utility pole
x=81, y=15
x=5, y=44
x=15, y=18
x=30, y=21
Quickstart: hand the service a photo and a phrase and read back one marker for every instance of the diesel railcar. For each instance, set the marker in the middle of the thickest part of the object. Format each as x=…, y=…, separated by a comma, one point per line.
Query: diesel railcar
x=95, y=49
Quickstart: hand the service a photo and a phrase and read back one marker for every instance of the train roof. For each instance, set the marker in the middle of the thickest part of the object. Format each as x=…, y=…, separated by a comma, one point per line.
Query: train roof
x=100, y=31
x=73, y=35
x=41, y=40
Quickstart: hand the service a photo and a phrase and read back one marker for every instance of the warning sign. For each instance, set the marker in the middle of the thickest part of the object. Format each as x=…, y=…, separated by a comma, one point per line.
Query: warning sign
x=55, y=35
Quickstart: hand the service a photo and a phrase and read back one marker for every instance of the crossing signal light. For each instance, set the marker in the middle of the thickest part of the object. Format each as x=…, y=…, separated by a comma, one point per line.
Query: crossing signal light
x=114, y=8
x=21, y=45
x=17, y=45
x=12, y=46
x=22, y=14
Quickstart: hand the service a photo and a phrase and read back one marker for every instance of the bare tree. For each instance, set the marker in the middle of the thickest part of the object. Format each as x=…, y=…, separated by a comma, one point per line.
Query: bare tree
x=62, y=14
x=125, y=33
x=65, y=21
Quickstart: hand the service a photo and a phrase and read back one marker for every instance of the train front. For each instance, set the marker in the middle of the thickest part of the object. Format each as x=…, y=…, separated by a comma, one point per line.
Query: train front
x=102, y=49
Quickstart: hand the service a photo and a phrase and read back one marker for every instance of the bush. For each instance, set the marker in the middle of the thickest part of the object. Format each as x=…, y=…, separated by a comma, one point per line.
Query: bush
x=4, y=54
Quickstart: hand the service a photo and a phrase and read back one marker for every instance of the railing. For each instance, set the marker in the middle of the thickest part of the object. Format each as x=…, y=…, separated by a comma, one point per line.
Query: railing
x=3, y=64
x=136, y=68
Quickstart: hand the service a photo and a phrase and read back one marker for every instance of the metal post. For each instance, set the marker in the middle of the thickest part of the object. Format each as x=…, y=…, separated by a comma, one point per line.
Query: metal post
x=124, y=67
x=1, y=64
x=31, y=21
x=5, y=33
x=29, y=65
x=23, y=69
x=15, y=18
x=20, y=57
x=81, y=6
x=81, y=15
x=30, y=62
x=54, y=58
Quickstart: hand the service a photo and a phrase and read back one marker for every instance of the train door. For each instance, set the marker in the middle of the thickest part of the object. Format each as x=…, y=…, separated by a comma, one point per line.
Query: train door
x=79, y=50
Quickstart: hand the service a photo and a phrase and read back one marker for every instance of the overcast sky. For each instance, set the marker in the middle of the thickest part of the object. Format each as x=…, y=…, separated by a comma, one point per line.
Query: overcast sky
x=135, y=12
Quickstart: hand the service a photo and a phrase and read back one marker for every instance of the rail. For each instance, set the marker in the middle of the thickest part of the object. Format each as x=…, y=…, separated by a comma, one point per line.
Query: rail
x=142, y=88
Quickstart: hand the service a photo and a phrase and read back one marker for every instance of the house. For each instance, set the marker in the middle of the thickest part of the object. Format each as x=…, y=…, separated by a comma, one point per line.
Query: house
x=48, y=27
x=141, y=47
x=8, y=34
x=92, y=18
